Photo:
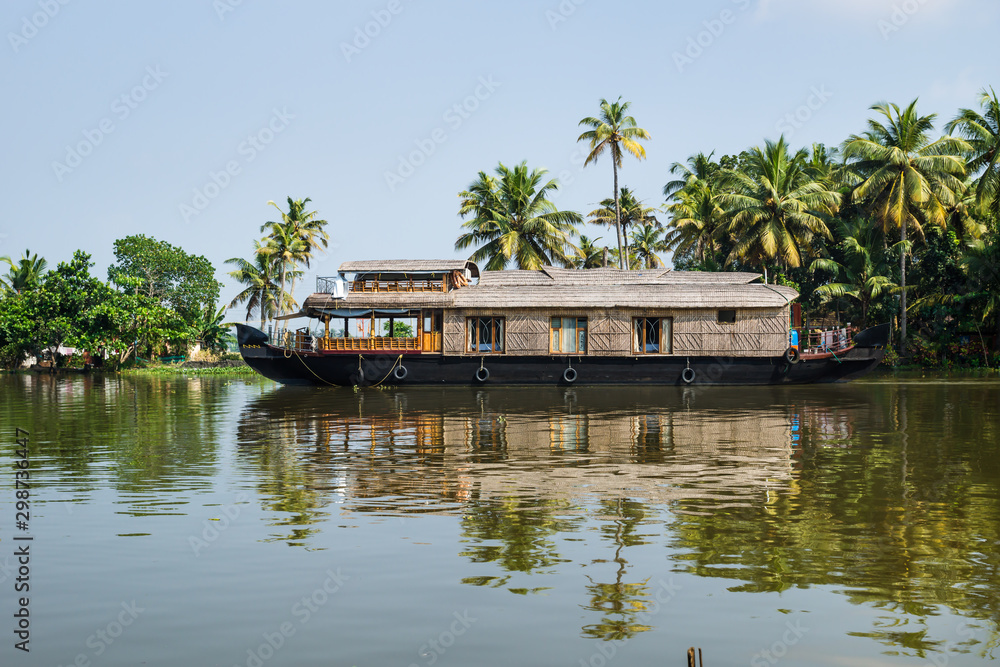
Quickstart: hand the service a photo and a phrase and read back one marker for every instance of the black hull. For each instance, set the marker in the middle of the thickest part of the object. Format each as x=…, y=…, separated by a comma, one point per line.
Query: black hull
x=426, y=369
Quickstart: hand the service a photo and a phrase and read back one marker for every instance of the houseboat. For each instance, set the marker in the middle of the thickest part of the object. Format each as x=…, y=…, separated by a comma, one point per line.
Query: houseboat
x=424, y=322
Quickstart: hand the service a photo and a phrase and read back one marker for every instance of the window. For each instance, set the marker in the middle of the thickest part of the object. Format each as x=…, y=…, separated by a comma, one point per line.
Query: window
x=653, y=335
x=485, y=335
x=727, y=317
x=568, y=335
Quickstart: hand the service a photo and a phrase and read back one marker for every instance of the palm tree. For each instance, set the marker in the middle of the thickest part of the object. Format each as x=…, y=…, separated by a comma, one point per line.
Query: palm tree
x=613, y=131
x=774, y=210
x=589, y=254
x=906, y=180
x=647, y=241
x=629, y=212
x=297, y=235
x=261, y=291
x=210, y=331
x=982, y=131
x=693, y=207
x=514, y=221
x=287, y=248
x=862, y=273
x=24, y=274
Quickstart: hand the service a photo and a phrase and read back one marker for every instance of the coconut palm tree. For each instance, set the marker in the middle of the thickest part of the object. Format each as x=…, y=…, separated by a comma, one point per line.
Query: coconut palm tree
x=24, y=274
x=904, y=179
x=695, y=214
x=982, y=131
x=259, y=276
x=513, y=221
x=862, y=274
x=288, y=249
x=647, y=241
x=589, y=254
x=614, y=131
x=297, y=236
x=774, y=210
x=629, y=212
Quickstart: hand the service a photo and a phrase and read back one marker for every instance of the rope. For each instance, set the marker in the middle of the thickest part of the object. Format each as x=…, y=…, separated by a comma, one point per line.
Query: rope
x=398, y=360
x=311, y=370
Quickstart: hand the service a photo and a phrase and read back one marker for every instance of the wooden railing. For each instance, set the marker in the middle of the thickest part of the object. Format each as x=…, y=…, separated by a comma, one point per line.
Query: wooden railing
x=372, y=286
x=368, y=344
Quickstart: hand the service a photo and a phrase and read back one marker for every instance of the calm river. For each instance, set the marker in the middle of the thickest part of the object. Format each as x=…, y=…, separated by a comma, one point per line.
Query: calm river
x=234, y=522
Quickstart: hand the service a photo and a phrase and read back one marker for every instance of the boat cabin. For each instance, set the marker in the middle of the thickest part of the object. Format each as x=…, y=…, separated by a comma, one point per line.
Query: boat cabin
x=450, y=307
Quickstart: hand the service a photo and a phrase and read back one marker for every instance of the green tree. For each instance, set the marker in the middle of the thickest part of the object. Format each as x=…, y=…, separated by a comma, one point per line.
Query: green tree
x=210, y=331
x=629, y=212
x=589, y=254
x=982, y=131
x=774, y=211
x=261, y=292
x=904, y=179
x=647, y=242
x=181, y=282
x=611, y=132
x=864, y=267
x=695, y=214
x=25, y=274
x=513, y=220
x=981, y=262
x=299, y=234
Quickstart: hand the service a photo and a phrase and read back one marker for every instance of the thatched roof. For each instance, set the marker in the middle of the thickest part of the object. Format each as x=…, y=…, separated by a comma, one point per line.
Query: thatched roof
x=396, y=266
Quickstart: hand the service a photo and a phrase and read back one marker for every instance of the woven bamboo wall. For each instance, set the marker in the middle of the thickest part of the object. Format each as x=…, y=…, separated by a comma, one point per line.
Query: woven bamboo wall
x=756, y=332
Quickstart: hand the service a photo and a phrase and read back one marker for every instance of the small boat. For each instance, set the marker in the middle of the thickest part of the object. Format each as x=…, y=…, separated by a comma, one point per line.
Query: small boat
x=427, y=322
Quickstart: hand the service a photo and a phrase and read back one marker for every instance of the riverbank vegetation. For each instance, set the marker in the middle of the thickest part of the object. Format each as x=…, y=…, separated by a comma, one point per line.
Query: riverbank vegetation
x=897, y=223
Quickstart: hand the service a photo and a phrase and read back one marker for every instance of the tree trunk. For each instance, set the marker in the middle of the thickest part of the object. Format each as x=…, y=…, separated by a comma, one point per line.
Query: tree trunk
x=902, y=294
x=618, y=218
x=281, y=294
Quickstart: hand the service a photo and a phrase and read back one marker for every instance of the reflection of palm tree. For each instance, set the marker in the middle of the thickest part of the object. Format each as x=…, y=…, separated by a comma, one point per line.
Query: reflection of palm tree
x=620, y=602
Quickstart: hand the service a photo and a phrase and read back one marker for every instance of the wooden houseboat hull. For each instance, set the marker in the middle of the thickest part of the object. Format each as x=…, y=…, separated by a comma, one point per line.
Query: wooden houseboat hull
x=392, y=369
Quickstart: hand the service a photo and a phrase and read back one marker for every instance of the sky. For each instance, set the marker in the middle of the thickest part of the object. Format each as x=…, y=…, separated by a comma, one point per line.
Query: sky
x=181, y=120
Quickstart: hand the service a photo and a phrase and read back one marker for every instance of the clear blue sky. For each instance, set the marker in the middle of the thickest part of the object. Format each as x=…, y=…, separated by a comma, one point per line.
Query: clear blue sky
x=117, y=114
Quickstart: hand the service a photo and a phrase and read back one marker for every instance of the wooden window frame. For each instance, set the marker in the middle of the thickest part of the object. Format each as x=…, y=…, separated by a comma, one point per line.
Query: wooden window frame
x=666, y=341
x=498, y=331
x=586, y=334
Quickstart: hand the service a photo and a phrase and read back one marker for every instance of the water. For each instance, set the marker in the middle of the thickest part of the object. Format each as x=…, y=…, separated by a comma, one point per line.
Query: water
x=214, y=521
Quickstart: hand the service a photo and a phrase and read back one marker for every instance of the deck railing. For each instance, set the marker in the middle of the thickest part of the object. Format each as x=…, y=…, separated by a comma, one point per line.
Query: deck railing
x=372, y=286
x=819, y=341
x=378, y=344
